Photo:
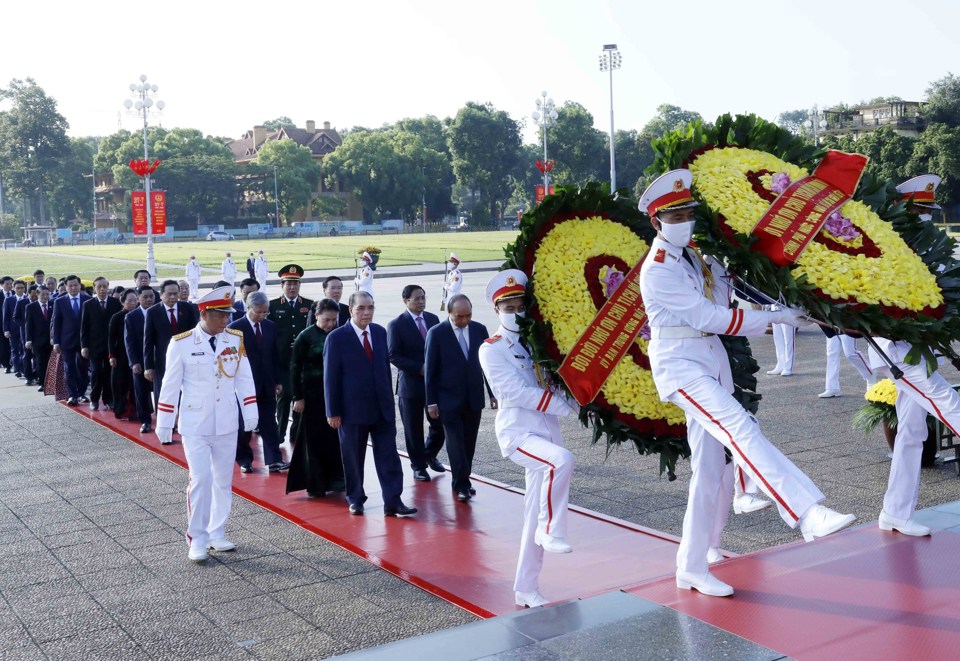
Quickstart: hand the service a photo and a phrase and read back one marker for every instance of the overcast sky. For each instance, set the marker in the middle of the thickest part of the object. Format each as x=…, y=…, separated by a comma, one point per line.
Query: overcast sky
x=224, y=66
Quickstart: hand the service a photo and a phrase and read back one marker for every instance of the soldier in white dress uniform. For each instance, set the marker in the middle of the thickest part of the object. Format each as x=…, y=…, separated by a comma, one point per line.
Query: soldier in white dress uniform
x=918, y=394
x=228, y=270
x=261, y=270
x=193, y=277
x=453, y=282
x=687, y=304
x=528, y=431
x=209, y=367
x=364, y=279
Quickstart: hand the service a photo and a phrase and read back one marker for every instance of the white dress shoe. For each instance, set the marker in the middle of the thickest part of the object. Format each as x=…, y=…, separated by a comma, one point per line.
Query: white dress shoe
x=775, y=371
x=530, y=599
x=705, y=583
x=904, y=526
x=820, y=521
x=786, y=373
x=552, y=544
x=827, y=394
x=714, y=555
x=197, y=553
x=745, y=503
x=221, y=545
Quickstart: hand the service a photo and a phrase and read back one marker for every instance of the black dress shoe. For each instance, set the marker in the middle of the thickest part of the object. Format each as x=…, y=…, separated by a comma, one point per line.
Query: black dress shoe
x=399, y=510
x=356, y=508
x=31, y=382
x=246, y=468
x=436, y=465
x=19, y=375
x=8, y=370
x=145, y=428
x=40, y=389
x=463, y=496
x=84, y=399
x=72, y=401
x=421, y=475
x=279, y=466
x=317, y=494
x=473, y=492
x=94, y=406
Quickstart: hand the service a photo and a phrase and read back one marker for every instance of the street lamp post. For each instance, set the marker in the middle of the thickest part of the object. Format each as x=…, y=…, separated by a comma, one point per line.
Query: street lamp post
x=611, y=59
x=276, y=197
x=93, y=184
x=545, y=116
x=141, y=103
x=815, y=123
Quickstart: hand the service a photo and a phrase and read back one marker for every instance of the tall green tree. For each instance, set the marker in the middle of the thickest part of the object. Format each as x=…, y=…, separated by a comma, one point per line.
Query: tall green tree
x=578, y=148
x=297, y=174
x=943, y=101
x=33, y=140
x=280, y=122
x=888, y=151
x=633, y=157
x=485, y=147
x=937, y=150
x=793, y=120
x=71, y=195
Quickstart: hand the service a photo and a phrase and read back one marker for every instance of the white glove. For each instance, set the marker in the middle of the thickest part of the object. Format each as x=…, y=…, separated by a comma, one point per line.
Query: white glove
x=791, y=317
x=251, y=424
x=165, y=434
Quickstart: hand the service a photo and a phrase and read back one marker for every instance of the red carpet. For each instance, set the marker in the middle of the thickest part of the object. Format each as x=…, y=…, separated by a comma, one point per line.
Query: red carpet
x=463, y=553
x=860, y=594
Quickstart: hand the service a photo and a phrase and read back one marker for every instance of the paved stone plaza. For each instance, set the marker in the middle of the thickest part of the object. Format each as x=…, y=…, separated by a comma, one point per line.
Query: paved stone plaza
x=94, y=563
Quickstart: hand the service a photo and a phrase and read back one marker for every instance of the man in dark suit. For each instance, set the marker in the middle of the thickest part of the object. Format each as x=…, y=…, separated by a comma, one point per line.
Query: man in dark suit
x=20, y=321
x=333, y=289
x=121, y=377
x=405, y=342
x=251, y=266
x=356, y=383
x=133, y=325
x=454, y=383
x=66, y=339
x=37, y=332
x=247, y=285
x=260, y=343
x=289, y=314
x=164, y=320
x=11, y=329
x=6, y=291
x=94, y=334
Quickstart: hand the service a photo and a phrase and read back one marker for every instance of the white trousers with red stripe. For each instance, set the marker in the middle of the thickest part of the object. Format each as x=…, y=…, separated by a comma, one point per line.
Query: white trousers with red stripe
x=848, y=346
x=727, y=424
x=210, y=459
x=548, y=467
x=784, y=341
x=917, y=395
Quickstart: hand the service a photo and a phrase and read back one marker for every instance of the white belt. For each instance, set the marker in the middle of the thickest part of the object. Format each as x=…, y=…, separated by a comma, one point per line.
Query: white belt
x=676, y=333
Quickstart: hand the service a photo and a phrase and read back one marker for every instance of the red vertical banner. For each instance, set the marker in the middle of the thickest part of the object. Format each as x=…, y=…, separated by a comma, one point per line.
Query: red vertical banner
x=158, y=212
x=138, y=216
x=540, y=194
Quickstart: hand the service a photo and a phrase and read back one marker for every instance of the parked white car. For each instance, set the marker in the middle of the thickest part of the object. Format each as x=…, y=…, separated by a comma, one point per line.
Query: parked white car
x=219, y=235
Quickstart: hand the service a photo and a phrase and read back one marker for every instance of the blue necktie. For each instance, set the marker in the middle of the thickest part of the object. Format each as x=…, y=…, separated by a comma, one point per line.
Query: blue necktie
x=76, y=306
x=463, y=343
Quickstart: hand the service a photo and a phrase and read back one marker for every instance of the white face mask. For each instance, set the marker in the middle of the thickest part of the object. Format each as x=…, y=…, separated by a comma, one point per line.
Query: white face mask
x=509, y=320
x=677, y=234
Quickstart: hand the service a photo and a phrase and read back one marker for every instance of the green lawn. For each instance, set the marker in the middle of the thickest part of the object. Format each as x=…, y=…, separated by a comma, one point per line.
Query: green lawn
x=119, y=262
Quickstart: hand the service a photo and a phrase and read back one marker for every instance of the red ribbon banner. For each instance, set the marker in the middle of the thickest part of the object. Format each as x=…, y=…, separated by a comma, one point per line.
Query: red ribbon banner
x=796, y=216
x=606, y=340
x=138, y=216
x=158, y=212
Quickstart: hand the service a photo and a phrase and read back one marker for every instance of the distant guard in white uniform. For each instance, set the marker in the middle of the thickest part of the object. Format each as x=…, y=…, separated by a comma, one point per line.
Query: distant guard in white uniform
x=528, y=431
x=261, y=269
x=687, y=302
x=453, y=281
x=228, y=270
x=364, y=279
x=193, y=277
x=207, y=375
x=918, y=394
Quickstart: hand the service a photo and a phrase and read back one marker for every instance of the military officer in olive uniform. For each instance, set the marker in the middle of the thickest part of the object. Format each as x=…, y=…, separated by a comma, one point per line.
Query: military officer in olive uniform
x=289, y=314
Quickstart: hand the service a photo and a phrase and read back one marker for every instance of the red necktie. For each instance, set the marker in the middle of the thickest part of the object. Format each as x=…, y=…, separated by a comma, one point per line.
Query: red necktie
x=173, y=322
x=366, y=347
x=256, y=331
x=46, y=313
x=422, y=327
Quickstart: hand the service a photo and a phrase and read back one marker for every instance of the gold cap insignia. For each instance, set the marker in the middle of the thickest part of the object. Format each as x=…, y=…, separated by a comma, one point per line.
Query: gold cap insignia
x=929, y=187
x=678, y=185
x=511, y=281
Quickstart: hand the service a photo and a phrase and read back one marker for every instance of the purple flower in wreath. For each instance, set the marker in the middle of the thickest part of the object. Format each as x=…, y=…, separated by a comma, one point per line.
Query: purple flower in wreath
x=612, y=281
x=840, y=227
x=781, y=181
x=645, y=332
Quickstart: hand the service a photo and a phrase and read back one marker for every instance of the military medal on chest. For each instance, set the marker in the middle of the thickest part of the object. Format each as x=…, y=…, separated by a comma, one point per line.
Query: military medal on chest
x=228, y=362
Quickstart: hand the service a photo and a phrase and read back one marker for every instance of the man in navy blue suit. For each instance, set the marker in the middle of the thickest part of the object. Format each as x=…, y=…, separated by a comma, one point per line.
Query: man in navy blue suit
x=133, y=325
x=66, y=339
x=247, y=285
x=260, y=343
x=405, y=341
x=94, y=332
x=37, y=332
x=20, y=320
x=356, y=383
x=164, y=320
x=454, y=385
x=11, y=329
x=6, y=291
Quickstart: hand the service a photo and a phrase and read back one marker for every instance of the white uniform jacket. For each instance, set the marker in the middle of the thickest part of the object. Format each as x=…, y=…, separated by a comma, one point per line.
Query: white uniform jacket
x=193, y=270
x=525, y=408
x=212, y=384
x=261, y=269
x=364, y=280
x=228, y=269
x=453, y=283
x=673, y=295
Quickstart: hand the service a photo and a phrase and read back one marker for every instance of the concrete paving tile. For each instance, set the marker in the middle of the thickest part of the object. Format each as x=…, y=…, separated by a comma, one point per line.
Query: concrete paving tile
x=151, y=538
x=266, y=627
x=340, y=616
x=76, y=623
x=307, y=645
x=87, y=550
x=314, y=596
x=46, y=529
x=22, y=650
x=332, y=561
x=278, y=572
x=220, y=593
x=116, y=577
x=80, y=565
x=242, y=610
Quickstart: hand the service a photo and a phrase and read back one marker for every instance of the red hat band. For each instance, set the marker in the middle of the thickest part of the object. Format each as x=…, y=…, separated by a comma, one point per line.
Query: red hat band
x=671, y=199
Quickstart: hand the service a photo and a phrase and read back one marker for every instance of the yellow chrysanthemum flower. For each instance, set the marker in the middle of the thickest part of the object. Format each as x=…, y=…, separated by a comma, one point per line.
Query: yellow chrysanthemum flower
x=882, y=392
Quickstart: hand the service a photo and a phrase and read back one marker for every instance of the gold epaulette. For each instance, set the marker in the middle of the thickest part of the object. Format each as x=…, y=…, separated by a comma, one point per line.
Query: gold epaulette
x=234, y=331
x=180, y=336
